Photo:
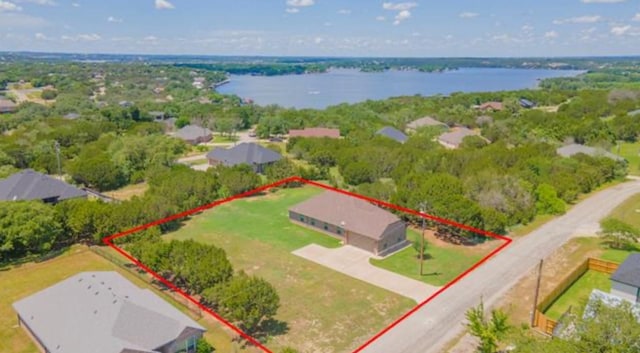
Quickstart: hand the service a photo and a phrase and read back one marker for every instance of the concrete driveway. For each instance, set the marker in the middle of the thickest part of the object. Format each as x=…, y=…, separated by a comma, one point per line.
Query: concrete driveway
x=354, y=262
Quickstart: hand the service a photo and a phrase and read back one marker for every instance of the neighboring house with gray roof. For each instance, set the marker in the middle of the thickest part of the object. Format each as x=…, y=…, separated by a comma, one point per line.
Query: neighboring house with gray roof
x=7, y=106
x=393, y=134
x=30, y=185
x=625, y=282
x=102, y=312
x=574, y=148
x=252, y=154
x=426, y=121
x=454, y=138
x=354, y=221
x=194, y=134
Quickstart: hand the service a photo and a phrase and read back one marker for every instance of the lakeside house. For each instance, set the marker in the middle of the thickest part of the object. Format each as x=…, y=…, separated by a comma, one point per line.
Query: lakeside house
x=103, y=312
x=425, y=121
x=315, y=132
x=249, y=153
x=356, y=222
x=574, y=149
x=453, y=139
x=393, y=133
x=490, y=107
x=194, y=134
x=28, y=185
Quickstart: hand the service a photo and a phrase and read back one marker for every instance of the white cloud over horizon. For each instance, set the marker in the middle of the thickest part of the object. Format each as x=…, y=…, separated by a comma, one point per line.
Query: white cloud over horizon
x=468, y=15
x=579, y=19
x=164, y=5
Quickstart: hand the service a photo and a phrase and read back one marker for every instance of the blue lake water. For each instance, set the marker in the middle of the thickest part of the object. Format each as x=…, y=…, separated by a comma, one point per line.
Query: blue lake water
x=352, y=86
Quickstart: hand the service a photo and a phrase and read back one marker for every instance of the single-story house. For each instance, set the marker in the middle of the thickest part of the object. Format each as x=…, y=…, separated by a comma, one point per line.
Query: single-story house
x=253, y=154
x=354, y=221
x=7, y=106
x=71, y=116
x=393, y=134
x=426, y=121
x=125, y=104
x=454, y=138
x=491, y=106
x=625, y=282
x=315, y=132
x=574, y=148
x=194, y=134
x=103, y=312
x=527, y=104
x=29, y=185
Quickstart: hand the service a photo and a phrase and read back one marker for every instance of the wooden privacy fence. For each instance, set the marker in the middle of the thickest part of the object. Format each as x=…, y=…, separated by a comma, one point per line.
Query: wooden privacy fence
x=546, y=324
x=124, y=264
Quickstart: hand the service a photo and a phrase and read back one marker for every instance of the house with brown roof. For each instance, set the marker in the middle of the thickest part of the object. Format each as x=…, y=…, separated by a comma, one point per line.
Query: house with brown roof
x=454, y=138
x=7, y=106
x=356, y=222
x=426, y=121
x=315, y=132
x=490, y=107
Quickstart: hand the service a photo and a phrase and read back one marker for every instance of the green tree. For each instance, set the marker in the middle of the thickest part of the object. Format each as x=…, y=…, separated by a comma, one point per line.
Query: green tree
x=548, y=201
x=489, y=332
x=202, y=346
x=247, y=300
x=618, y=234
x=235, y=180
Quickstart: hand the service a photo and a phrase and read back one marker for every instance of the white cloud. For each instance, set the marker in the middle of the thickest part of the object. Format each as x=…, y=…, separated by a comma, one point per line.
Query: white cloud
x=114, y=19
x=292, y=10
x=318, y=40
x=75, y=4
x=300, y=3
x=380, y=18
x=401, y=16
x=150, y=38
x=620, y=30
x=40, y=2
x=400, y=6
x=6, y=6
x=551, y=35
x=344, y=12
x=468, y=15
x=90, y=37
x=527, y=28
x=164, y=5
x=581, y=19
x=636, y=17
x=602, y=1
x=41, y=36
x=328, y=24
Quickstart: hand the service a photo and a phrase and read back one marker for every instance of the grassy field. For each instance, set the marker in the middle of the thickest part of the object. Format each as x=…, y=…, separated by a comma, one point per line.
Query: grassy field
x=29, y=278
x=631, y=152
x=628, y=211
x=325, y=311
x=129, y=191
x=442, y=263
x=577, y=295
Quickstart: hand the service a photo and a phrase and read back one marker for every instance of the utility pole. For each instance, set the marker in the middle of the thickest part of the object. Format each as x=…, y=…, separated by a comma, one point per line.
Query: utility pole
x=535, y=297
x=422, y=210
x=56, y=145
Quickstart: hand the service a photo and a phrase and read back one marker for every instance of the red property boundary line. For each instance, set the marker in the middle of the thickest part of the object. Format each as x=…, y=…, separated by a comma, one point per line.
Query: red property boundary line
x=108, y=241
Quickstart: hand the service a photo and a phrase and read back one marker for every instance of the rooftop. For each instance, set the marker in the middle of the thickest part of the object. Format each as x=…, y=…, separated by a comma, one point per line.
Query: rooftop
x=31, y=185
x=393, y=134
x=455, y=137
x=629, y=271
x=193, y=132
x=101, y=312
x=426, y=121
x=353, y=214
x=244, y=153
x=574, y=148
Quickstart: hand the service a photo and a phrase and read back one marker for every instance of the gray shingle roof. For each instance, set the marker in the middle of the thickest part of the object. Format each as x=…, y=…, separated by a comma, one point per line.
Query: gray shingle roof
x=193, y=132
x=101, y=312
x=357, y=215
x=573, y=149
x=393, y=133
x=31, y=185
x=426, y=121
x=629, y=271
x=244, y=153
x=455, y=137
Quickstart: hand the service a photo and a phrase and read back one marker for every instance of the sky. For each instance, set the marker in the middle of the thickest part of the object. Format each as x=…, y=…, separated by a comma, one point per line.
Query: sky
x=421, y=28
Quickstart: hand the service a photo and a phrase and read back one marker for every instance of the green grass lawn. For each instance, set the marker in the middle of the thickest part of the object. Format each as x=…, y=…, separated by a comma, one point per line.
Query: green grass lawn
x=628, y=211
x=577, y=295
x=22, y=281
x=325, y=311
x=440, y=266
x=631, y=152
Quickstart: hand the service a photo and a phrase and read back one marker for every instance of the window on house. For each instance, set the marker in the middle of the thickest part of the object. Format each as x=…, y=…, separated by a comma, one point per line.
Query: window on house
x=384, y=246
x=301, y=218
x=313, y=222
x=326, y=226
x=339, y=231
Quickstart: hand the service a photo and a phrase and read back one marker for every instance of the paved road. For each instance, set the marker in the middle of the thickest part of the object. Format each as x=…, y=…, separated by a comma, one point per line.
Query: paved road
x=439, y=321
x=354, y=262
